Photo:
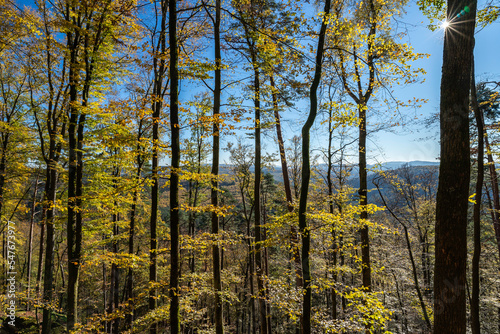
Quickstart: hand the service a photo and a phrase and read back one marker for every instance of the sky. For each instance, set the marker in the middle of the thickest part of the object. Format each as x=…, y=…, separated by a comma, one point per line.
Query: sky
x=416, y=142
x=412, y=141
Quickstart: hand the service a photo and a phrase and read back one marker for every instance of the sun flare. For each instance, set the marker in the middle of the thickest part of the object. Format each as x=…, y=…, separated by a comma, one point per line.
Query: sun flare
x=445, y=24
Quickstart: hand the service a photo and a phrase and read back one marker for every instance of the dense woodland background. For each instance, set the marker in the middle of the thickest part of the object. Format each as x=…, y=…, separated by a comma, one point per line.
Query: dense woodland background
x=128, y=220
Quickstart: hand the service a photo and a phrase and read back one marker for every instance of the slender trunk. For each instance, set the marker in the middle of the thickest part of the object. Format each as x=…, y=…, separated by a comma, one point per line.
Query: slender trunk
x=306, y=174
x=104, y=295
x=74, y=225
x=363, y=201
x=494, y=190
x=251, y=273
x=77, y=119
x=30, y=239
x=403, y=311
x=40, y=250
x=157, y=105
x=174, y=175
x=50, y=191
x=219, y=321
x=412, y=261
x=115, y=278
x=159, y=66
x=3, y=162
x=474, y=304
x=253, y=309
x=133, y=211
x=257, y=203
x=329, y=182
x=288, y=189
x=266, y=291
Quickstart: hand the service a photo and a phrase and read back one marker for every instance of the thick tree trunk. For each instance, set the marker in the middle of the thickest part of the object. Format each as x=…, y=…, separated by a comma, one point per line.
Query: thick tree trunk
x=454, y=173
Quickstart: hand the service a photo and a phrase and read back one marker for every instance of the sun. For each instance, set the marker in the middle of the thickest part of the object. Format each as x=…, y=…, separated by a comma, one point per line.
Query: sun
x=445, y=24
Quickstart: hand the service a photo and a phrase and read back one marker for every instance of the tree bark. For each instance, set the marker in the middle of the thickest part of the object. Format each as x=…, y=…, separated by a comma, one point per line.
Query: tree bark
x=219, y=320
x=412, y=261
x=133, y=212
x=474, y=304
x=494, y=190
x=306, y=174
x=30, y=240
x=288, y=189
x=50, y=193
x=257, y=203
x=454, y=173
x=174, y=174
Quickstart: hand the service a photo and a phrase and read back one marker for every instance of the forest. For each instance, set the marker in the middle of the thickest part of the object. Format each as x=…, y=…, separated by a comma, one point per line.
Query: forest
x=149, y=182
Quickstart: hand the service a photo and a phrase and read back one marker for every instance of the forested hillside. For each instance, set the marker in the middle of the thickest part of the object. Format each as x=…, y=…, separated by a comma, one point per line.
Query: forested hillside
x=206, y=166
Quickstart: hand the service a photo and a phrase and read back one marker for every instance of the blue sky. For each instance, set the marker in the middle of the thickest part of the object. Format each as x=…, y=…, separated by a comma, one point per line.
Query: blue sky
x=414, y=142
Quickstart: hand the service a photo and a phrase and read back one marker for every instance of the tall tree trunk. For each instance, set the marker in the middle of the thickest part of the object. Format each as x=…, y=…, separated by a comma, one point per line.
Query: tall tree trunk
x=363, y=201
x=474, y=304
x=133, y=212
x=306, y=174
x=252, y=320
x=115, y=274
x=41, y=247
x=329, y=182
x=257, y=203
x=75, y=182
x=219, y=321
x=361, y=100
x=30, y=239
x=48, y=276
x=159, y=66
x=454, y=173
x=288, y=189
x=174, y=175
x=412, y=261
x=494, y=190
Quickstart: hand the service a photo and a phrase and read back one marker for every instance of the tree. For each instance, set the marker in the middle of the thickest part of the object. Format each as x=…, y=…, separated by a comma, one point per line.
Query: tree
x=306, y=172
x=454, y=171
x=474, y=303
x=89, y=29
x=410, y=192
x=174, y=171
x=48, y=100
x=159, y=69
x=219, y=321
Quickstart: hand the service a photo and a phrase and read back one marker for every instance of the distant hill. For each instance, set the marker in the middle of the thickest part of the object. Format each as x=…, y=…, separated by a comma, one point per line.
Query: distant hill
x=399, y=164
x=391, y=165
